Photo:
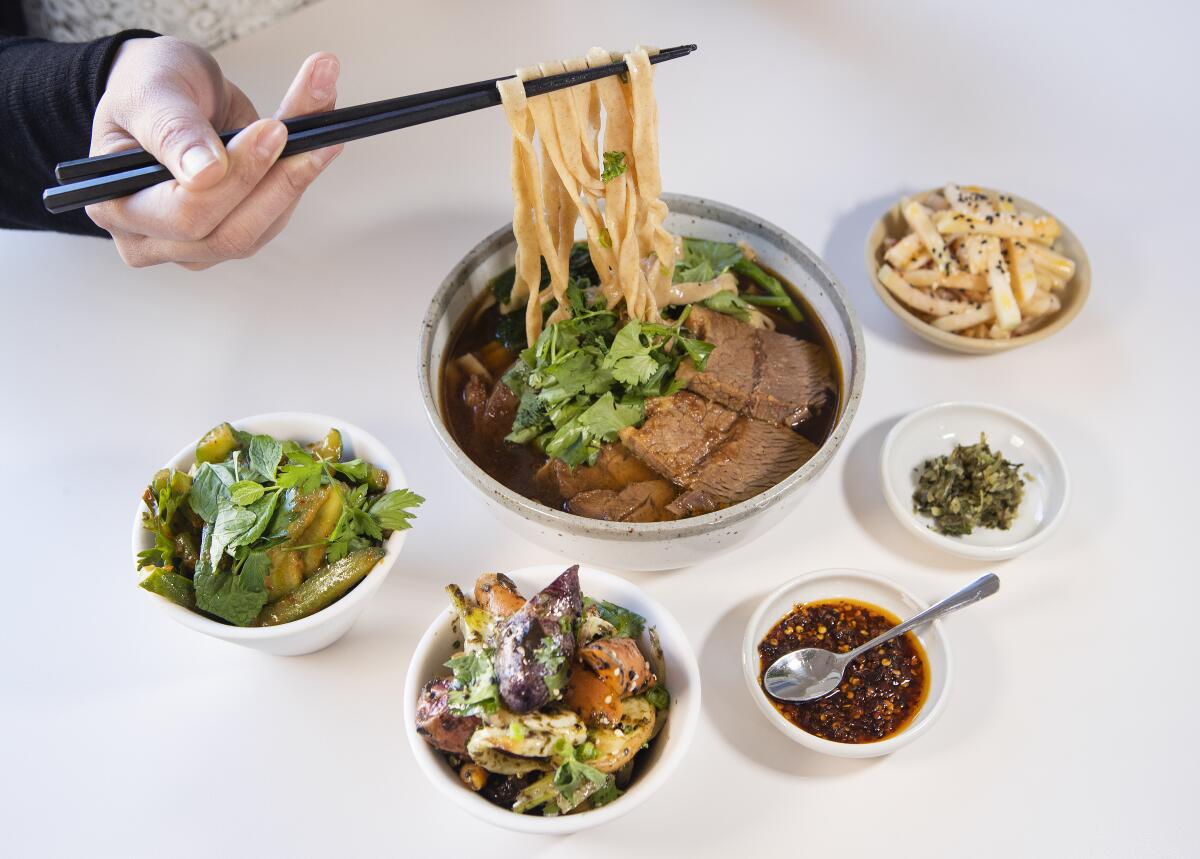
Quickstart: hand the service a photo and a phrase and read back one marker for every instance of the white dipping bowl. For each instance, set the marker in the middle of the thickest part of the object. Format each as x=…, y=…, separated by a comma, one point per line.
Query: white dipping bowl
x=864, y=587
x=652, y=545
x=318, y=630
x=935, y=431
x=681, y=676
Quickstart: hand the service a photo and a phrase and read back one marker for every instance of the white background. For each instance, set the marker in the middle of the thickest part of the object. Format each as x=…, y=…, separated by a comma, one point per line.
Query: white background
x=1070, y=729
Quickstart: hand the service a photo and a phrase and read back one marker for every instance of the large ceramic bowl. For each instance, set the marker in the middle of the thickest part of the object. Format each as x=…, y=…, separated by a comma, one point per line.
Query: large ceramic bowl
x=659, y=545
x=678, y=670
x=326, y=626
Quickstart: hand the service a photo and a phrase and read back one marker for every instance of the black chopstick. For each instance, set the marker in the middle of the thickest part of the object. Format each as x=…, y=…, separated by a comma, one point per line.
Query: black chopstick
x=106, y=177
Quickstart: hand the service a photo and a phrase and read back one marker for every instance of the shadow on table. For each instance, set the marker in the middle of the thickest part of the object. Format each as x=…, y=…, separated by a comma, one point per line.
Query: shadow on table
x=727, y=702
x=861, y=482
x=844, y=253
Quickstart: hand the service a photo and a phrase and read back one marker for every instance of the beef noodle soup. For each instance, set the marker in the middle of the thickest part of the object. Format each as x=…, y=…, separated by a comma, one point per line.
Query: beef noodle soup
x=767, y=398
x=635, y=376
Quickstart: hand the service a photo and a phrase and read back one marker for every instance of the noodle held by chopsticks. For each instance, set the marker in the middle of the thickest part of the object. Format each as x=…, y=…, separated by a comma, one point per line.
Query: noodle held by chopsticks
x=561, y=178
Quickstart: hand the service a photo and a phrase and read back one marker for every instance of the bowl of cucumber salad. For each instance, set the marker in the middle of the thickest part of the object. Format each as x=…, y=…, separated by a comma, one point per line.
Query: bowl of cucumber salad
x=273, y=531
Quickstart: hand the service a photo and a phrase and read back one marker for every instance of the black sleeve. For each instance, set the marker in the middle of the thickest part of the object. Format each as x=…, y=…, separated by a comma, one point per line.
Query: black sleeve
x=48, y=95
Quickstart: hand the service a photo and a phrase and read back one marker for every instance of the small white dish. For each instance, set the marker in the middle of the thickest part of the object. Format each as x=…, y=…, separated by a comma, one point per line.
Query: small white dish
x=934, y=431
x=319, y=630
x=863, y=587
x=682, y=678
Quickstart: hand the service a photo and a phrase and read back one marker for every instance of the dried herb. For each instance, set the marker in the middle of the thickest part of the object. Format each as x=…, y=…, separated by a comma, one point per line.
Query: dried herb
x=972, y=487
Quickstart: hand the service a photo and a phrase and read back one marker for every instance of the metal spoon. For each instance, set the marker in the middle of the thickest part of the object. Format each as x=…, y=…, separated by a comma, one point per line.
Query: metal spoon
x=812, y=672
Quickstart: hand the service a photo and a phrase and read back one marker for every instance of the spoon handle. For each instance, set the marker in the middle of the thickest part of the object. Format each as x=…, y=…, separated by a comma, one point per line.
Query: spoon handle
x=984, y=586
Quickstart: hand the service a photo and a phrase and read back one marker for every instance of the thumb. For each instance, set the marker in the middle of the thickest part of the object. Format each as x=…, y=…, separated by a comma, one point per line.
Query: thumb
x=175, y=131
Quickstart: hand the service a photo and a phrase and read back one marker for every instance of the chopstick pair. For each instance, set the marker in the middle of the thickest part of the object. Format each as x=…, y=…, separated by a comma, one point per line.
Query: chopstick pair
x=86, y=181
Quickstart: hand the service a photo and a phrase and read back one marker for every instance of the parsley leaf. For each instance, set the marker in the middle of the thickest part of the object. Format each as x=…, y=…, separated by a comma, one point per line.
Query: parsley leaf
x=303, y=472
x=391, y=511
x=355, y=469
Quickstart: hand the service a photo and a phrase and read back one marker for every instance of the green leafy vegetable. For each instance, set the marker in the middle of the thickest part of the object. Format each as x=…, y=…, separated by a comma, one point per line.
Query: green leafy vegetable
x=265, y=454
x=729, y=303
x=614, y=165
x=235, y=596
x=246, y=492
x=750, y=269
x=475, y=689
x=585, y=380
x=550, y=656
x=703, y=260
x=303, y=471
x=209, y=486
x=391, y=511
x=628, y=624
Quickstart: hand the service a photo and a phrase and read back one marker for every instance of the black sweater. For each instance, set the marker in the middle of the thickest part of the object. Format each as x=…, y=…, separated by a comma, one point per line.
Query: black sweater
x=48, y=95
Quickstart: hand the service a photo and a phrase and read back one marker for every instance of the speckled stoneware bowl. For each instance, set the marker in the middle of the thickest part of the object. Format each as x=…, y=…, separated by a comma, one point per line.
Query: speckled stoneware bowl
x=659, y=545
x=892, y=225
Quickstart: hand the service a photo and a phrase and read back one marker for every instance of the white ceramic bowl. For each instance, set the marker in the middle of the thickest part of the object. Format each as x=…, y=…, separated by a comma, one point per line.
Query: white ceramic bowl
x=864, y=587
x=660, y=545
x=934, y=431
x=682, y=677
x=322, y=629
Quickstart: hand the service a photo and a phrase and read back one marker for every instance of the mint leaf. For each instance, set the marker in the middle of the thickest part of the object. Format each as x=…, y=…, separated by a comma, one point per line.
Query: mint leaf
x=263, y=511
x=245, y=492
x=391, y=511
x=209, y=486
x=235, y=597
x=231, y=523
x=265, y=454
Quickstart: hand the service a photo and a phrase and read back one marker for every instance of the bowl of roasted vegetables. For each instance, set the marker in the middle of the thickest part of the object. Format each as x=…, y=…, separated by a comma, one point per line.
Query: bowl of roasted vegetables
x=551, y=701
x=273, y=531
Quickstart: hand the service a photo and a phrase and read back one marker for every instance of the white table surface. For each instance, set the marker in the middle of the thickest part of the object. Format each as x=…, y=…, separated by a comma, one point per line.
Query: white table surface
x=125, y=734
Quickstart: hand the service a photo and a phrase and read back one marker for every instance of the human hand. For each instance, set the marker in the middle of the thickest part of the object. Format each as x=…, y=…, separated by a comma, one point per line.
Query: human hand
x=168, y=96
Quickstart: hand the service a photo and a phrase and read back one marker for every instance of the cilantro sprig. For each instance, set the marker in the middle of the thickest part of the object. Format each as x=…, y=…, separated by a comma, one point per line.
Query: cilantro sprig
x=586, y=379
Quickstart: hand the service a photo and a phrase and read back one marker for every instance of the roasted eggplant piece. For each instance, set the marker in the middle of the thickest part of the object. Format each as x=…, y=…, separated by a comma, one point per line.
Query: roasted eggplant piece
x=536, y=645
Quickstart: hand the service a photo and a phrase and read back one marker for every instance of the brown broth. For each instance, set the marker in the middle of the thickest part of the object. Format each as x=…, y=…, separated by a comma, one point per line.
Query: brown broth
x=515, y=465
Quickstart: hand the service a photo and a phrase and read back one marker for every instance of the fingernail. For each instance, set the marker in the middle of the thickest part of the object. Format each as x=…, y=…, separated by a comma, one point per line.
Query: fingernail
x=324, y=77
x=196, y=160
x=322, y=157
x=271, y=140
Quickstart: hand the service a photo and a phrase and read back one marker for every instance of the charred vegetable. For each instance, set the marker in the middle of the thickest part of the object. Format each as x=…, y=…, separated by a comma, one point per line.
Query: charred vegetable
x=264, y=531
x=972, y=487
x=536, y=644
x=550, y=701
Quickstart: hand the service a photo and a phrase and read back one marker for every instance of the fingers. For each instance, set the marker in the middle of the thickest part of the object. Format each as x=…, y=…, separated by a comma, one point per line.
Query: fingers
x=257, y=219
x=314, y=88
x=177, y=132
x=171, y=211
x=198, y=224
